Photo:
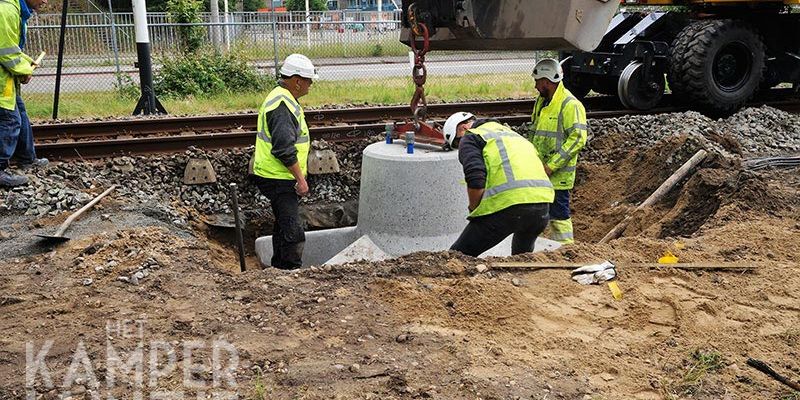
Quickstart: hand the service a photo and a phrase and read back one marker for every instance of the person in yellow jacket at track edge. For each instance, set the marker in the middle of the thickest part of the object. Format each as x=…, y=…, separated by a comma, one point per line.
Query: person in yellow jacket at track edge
x=508, y=190
x=16, y=67
x=559, y=133
x=280, y=162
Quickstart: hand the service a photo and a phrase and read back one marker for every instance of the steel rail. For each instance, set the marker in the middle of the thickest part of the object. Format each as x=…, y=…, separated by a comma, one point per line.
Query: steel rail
x=245, y=136
x=209, y=141
x=149, y=126
x=353, y=115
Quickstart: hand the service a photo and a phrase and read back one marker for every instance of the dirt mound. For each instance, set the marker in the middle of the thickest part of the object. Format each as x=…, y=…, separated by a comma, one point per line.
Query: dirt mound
x=441, y=325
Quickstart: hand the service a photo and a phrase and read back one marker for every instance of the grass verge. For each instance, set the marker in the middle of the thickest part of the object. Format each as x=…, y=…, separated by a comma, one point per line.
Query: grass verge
x=355, y=92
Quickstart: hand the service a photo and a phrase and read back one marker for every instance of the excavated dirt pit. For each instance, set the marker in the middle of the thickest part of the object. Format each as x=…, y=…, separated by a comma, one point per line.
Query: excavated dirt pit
x=428, y=325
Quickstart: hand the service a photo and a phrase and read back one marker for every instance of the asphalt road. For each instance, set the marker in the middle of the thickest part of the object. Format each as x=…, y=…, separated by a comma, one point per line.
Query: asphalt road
x=87, y=79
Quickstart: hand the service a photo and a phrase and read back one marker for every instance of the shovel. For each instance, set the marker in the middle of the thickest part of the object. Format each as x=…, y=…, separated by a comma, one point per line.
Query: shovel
x=59, y=237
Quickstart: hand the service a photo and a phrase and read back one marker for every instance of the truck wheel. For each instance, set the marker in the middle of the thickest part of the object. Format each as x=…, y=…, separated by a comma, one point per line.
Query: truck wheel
x=576, y=83
x=722, y=67
x=637, y=91
x=677, y=84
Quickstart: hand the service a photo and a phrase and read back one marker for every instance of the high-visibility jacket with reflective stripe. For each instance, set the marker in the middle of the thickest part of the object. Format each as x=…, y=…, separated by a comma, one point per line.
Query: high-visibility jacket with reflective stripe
x=265, y=164
x=13, y=61
x=512, y=175
x=560, y=134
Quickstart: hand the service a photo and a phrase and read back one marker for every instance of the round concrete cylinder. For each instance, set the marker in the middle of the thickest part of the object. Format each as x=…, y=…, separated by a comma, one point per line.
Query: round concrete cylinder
x=411, y=195
x=407, y=203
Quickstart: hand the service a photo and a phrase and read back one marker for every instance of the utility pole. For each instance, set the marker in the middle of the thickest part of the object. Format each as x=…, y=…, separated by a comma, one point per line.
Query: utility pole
x=227, y=27
x=148, y=103
x=214, y=5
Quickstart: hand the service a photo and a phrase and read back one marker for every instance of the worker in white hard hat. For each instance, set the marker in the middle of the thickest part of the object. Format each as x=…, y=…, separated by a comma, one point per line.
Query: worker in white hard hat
x=281, y=158
x=559, y=133
x=508, y=190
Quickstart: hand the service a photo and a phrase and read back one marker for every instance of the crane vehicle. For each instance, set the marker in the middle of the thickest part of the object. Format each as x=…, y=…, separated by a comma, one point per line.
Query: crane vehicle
x=713, y=55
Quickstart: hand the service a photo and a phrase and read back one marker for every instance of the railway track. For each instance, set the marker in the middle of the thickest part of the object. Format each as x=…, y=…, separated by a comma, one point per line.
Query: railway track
x=99, y=139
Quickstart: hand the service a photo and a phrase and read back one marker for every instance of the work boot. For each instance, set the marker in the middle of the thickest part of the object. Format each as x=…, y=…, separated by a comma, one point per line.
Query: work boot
x=8, y=179
x=36, y=163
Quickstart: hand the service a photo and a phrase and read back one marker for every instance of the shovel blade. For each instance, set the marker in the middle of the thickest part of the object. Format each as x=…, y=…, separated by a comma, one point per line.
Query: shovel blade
x=53, y=239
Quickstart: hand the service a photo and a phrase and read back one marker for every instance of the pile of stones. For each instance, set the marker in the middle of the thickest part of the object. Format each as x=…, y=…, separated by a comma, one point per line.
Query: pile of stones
x=762, y=131
x=159, y=179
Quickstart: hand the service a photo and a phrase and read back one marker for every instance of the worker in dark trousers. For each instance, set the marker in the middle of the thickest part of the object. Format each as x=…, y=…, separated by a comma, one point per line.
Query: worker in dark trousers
x=16, y=67
x=508, y=190
x=281, y=158
x=560, y=132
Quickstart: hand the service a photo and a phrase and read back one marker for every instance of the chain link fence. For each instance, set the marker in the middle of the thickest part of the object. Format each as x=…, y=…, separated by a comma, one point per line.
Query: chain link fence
x=100, y=48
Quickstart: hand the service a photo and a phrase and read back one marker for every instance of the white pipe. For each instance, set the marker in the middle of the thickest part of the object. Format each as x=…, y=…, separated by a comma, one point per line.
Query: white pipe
x=140, y=21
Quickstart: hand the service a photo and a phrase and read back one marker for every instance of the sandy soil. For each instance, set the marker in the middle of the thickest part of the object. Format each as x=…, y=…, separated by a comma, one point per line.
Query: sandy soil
x=430, y=325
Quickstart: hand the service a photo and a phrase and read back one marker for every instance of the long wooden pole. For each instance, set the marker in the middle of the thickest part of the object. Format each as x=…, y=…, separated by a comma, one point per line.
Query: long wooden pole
x=662, y=190
x=719, y=266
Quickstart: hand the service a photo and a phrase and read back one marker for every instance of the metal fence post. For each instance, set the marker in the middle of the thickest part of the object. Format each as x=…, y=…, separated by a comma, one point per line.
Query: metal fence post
x=60, y=63
x=214, y=25
x=114, y=42
x=308, y=26
x=227, y=28
x=275, y=40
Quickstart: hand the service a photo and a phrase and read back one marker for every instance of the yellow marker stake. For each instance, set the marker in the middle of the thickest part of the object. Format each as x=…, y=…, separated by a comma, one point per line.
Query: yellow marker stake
x=615, y=290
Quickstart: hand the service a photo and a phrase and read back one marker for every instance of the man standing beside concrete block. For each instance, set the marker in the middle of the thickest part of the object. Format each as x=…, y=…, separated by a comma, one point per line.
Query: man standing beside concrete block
x=280, y=162
x=560, y=132
x=508, y=190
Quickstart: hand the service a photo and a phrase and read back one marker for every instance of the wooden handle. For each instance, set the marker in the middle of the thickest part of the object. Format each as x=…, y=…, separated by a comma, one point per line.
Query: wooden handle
x=65, y=225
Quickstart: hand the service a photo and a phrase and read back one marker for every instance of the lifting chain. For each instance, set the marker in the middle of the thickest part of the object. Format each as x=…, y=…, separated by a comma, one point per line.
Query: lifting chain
x=419, y=106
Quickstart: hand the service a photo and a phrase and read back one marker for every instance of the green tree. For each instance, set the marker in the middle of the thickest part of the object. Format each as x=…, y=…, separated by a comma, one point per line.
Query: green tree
x=300, y=5
x=249, y=5
x=254, y=5
x=188, y=12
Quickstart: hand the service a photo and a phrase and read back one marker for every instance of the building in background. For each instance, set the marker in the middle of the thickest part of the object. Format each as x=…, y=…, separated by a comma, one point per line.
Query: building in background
x=364, y=5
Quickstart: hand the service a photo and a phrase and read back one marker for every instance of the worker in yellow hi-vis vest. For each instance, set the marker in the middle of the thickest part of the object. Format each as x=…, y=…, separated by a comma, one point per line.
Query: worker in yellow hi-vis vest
x=280, y=162
x=16, y=68
x=560, y=131
x=508, y=190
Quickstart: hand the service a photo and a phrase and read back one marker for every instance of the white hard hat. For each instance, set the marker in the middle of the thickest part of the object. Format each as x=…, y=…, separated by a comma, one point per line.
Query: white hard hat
x=550, y=69
x=452, y=123
x=298, y=64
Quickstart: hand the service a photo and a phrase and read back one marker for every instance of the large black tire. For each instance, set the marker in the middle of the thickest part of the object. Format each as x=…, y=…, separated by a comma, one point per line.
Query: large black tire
x=577, y=84
x=677, y=85
x=722, y=66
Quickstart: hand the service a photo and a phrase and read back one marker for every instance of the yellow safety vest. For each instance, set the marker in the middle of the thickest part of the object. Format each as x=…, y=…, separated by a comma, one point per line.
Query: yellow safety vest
x=13, y=62
x=560, y=134
x=265, y=164
x=512, y=175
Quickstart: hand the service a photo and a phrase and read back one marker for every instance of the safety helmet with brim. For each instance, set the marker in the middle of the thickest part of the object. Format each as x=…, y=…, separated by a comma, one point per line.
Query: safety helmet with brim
x=300, y=65
x=451, y=126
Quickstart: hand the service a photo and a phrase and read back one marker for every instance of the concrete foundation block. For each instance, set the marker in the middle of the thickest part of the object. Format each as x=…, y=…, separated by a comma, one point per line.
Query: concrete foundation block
x=407, y=203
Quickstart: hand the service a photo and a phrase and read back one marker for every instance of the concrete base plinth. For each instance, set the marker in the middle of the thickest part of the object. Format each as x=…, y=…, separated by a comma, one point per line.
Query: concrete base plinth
x=408, y=203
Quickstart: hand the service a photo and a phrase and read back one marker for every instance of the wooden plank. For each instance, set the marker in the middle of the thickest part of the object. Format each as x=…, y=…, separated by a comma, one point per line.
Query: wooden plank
x=699, y=266
x=684, y=266
x=531, y=265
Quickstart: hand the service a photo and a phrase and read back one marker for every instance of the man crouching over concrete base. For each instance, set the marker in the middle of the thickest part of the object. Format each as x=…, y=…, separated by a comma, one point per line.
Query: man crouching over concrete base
x=508, y=189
